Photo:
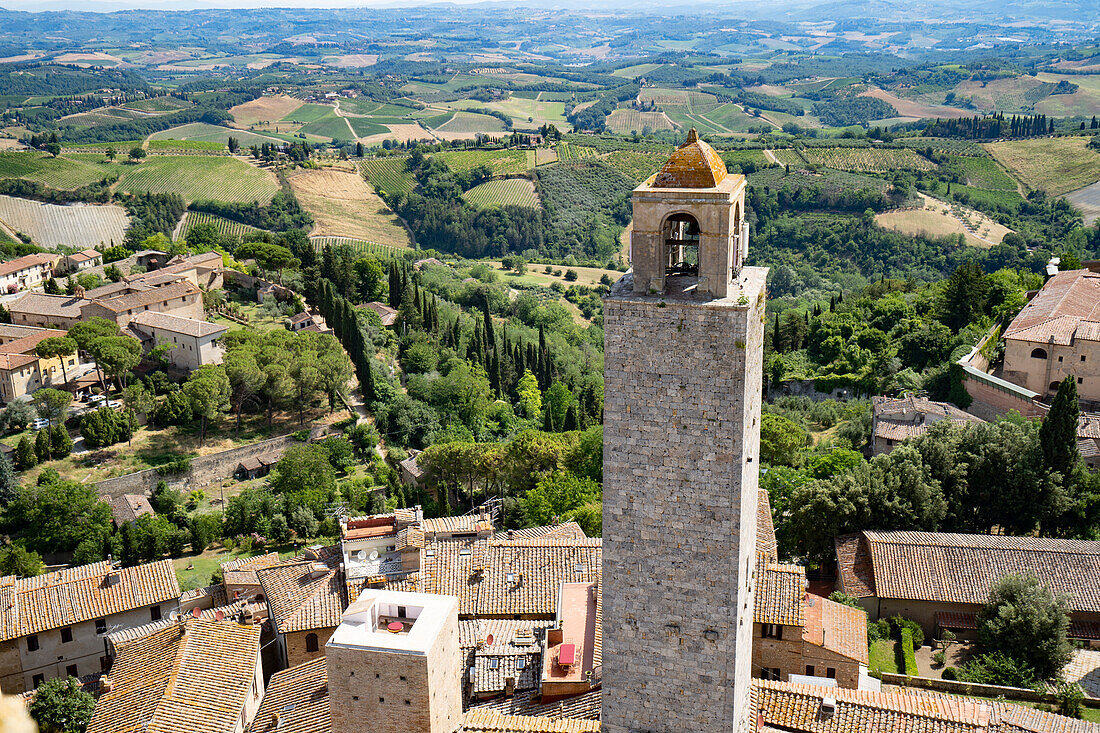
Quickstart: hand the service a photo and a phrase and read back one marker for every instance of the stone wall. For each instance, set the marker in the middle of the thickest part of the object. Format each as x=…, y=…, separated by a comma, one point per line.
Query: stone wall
x=205, y=470
x=297, y=651
x=681, y=467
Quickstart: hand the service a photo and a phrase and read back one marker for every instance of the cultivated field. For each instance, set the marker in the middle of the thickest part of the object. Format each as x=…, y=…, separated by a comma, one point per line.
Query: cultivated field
x=631, y=120
x=498, y=161
x=225, y=227
x=1087, y=199
x=359, y=245
x=867, y=160
x=66, y=172
x=506, y=192
x=202, y=132
x=910, y=108
x=201, y=177
x=343, y=205
x=940, y=219
x=1054, y=165
x=388, y=174
x=465, y=124
x=265, y=109
x=635, y=165
x=75, y=225
x=569, y=151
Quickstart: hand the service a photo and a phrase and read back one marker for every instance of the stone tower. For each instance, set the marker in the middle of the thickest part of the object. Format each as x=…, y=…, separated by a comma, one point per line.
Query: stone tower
x=684, y=349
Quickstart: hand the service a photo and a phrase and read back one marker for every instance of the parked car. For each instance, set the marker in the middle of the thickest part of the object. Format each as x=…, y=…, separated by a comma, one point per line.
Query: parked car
x=96, y=400
x=39, y=422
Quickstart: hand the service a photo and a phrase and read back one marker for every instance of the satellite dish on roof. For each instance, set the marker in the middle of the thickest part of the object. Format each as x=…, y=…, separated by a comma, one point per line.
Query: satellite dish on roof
x=196, y=612
x=219, y=615
x=374, y=554
x=489, y=640
x=362, y=554
x=174, y=616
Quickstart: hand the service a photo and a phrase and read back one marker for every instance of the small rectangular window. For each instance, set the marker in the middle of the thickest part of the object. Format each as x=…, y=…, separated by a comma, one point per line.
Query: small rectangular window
x=71, y=670
x=830, y=673
x=37, y=680
x=809, y=670
x=101, y=626
x=494, y=663
x=66, y=635
x=154, y=613
x=520, y=662
x=1082, y=357
x=32, y=643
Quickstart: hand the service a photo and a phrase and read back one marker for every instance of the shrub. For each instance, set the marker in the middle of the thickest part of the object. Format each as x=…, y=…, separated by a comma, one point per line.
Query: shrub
x=179, y=465
x=877, y=630
x=939, y=658
x=898, y=623
x=950, y=673
x=907, y=652
x=997, y=668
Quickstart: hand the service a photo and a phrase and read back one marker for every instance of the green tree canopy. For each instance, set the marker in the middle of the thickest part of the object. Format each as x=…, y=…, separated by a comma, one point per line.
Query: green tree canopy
x=1026, y=621
x=61, y=706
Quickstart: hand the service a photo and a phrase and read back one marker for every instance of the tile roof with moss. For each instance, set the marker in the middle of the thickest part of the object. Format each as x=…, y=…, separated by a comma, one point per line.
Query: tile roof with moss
x=295, y=701
x=962, y=568
x=483, y=720
x=191, y=676
x=305, y=593
x=74, y=595
x=692, y=165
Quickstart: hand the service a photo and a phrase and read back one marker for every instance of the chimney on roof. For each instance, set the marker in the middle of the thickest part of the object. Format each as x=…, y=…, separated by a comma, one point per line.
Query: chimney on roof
x=78, y=291
x=828, y=705
x=317, y=569
x=105, y=684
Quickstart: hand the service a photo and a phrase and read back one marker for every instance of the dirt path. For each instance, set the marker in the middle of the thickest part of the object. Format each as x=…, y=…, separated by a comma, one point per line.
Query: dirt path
x=340, y=113
x=179, y=227
x=770, y=157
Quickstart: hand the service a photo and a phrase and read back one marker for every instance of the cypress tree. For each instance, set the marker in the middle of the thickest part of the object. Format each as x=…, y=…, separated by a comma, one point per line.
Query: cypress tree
x=369, y=393
x=1058, y=433
x=777, y=341
x=490, y=335
x=42, y=445
x=548, y=420
x=9, y=482
x=25, y=456
x=571, y=420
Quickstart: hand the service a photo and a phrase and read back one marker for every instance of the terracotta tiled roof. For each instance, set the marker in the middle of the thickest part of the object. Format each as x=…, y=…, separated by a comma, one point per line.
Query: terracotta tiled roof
x=194, y=676
x=836, y=627
x=795, y=707
x=305, y=594
x=584, y=707
x=854, y=567
x=563, y=531
x=465, y=523
x=765, y=528
x=692, y=165
x=296, y=701
x=176, y=324
x=148, y=297
x=26, y=344
x=1008, y=718
x=1088, y=425
x=242, y=571
x=387, y=314
x=504, y=632
x=73, y=595
x=27, y=261
x=961, y=568
x=482, y=720
x=1068, y=299
x=111, y=289
x=914, y=404
x=476, y=571
x=84, y=255
x=128, y=507
x=40, y=304
x=780, y=588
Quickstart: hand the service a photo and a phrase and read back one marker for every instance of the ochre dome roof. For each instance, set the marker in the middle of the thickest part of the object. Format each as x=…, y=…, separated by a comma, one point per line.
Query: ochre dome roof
x=693, y=165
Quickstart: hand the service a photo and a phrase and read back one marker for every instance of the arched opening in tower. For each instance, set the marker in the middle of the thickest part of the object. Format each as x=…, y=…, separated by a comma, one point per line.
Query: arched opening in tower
x=681, y=234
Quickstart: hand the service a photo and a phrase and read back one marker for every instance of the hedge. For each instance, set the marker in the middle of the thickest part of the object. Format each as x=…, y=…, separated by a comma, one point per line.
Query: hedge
x=907, y=652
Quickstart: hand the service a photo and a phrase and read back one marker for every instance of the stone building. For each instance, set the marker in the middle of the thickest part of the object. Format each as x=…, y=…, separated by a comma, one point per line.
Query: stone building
x=394, y=661
x=895, y=420
x=54, y=625
x=191, y=342
x=305, y=598
x=1057, y=334
x=941, y=580
x=683, y=363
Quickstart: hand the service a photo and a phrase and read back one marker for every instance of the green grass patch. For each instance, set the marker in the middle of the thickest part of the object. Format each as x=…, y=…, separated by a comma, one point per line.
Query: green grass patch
x=309, y=113
x=366, y=126
x=201, y=177
x=499, y=161
x=884, y=657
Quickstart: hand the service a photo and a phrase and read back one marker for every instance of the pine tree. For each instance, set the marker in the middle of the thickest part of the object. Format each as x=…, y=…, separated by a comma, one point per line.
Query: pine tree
x=61, y=444
x=1058, y=433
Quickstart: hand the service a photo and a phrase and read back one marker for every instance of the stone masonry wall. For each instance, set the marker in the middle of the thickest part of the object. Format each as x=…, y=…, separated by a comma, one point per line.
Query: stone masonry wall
x=681, y=466
x=205, y=470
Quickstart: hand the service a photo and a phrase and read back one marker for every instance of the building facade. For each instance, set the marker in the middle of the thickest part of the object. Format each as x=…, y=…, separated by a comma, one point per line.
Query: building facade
x=54, y=625
x=394, y=660
x=191, y=343
x=683, y=366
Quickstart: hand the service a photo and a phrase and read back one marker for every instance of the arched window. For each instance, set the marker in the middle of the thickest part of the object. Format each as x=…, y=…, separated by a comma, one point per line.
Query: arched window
x=681, y=234
x=1038, y=353
x=1053, y=386
x=311, y=642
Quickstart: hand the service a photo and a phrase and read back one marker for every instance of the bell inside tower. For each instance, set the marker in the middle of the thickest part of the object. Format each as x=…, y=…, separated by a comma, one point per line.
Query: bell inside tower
x=681, y=245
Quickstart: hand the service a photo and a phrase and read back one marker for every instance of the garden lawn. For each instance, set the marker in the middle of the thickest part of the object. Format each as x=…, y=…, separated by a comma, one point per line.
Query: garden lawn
x=885, y=656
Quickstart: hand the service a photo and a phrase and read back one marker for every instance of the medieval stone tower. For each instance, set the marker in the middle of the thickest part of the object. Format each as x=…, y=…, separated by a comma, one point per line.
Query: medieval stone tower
x=683, y=362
